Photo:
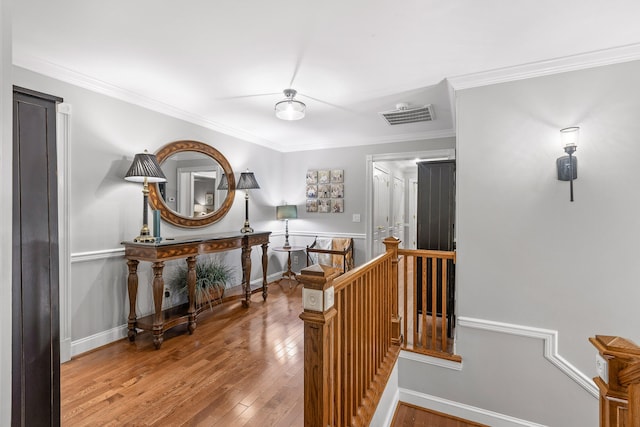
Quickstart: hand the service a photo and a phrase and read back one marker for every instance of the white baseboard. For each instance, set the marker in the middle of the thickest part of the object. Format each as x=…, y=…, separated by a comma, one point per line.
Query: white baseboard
x=429, y=360
x=550, y=338
x=106, y=337
x=98, y=340
x=388, y=401
x=462, y=410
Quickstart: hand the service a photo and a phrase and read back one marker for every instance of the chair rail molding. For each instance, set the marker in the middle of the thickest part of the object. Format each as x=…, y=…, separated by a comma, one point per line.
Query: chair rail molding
x=97, y=255
x=550, y=338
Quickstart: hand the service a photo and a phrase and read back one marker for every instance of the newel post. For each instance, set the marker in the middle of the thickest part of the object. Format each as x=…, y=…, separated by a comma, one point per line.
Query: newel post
x=318, y=315
x=618, y=365
x=391, y=243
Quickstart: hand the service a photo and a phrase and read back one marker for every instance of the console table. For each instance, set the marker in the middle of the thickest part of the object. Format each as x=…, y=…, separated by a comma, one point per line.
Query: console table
x=189, y=248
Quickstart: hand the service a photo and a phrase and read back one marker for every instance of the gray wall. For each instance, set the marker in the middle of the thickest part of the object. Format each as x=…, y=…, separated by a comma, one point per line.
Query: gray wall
x=106, y=209
x=527, y=256
x=6, y=97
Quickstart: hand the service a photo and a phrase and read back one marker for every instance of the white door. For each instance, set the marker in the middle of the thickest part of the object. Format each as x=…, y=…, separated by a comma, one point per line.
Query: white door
x=413, y=214
x=381, y=190
x=398, y=209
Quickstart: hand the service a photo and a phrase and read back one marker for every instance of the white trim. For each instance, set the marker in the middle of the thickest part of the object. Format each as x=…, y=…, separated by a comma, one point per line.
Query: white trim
x=386, y=409
x=429, y=360
x=544, y=68
x=97, y=255
x=550, y=338
x=462, y=410
x=98, y=340
x=63, y=141
x=356, y=236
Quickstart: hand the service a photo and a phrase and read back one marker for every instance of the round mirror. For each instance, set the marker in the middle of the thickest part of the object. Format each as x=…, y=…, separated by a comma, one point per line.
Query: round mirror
x=200, y=184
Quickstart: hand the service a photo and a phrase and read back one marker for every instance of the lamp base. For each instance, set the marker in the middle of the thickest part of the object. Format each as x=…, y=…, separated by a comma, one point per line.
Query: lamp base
x=246, y=228
x=147, y=239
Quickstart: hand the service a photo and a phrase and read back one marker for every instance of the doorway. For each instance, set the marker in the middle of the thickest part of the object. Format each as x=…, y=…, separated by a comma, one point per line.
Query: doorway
x=397, y=218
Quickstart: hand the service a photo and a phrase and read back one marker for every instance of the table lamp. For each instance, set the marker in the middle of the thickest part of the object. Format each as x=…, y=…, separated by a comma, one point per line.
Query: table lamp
x=145, y=169
x=286, y=212
x=247, y=182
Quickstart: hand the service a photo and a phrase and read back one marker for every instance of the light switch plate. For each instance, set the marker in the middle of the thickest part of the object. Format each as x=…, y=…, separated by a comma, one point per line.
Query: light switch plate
x=356, y=218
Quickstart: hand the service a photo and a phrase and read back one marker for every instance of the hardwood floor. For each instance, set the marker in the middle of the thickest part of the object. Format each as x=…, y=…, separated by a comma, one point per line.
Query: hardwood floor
x=408, y=415
x=241, y=367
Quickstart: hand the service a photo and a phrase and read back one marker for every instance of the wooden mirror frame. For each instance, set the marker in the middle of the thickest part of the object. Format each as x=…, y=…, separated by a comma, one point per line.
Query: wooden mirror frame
x=169, y=215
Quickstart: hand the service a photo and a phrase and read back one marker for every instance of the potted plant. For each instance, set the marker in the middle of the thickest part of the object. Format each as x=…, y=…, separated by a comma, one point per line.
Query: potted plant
x=212, y=277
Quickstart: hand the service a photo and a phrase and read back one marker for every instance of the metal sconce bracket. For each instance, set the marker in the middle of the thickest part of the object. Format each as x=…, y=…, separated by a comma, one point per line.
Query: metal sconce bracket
x=566, y=165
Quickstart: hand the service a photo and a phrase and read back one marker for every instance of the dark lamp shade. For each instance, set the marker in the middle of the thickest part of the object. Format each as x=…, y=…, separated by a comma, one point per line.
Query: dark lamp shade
x=247, y=181
x=224, y=183
x=144, y=166
x=286, y=212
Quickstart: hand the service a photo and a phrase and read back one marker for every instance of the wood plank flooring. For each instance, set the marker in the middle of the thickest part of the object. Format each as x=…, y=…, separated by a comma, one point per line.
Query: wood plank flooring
x=241, y=367
x=408, y=415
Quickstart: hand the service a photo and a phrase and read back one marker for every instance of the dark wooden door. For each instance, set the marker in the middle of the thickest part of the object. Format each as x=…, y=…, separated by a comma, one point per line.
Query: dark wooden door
x=435, y=227
x=35, y=392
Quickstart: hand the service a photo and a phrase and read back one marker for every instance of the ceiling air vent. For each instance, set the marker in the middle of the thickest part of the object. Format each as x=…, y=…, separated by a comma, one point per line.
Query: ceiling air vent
x=406, y=114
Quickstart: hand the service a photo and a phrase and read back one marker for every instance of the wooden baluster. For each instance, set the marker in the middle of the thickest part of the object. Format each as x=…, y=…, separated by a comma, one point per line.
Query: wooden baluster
x=318, y=316
x=443, y=330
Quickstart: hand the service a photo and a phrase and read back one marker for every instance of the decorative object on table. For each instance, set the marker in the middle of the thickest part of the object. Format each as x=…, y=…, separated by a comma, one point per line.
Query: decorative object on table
x=247, y=182
x=568, y=165
x=285, y=213
x=145, y=169
x=212, y=278
x=290, y=108
x=325, y=190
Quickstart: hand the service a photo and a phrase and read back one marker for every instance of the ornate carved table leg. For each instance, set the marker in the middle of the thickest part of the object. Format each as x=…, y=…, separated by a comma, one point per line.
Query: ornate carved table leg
x=132, y=284
x=191, y=286
x=246, y=273
x=158, y=291
x=264, y=270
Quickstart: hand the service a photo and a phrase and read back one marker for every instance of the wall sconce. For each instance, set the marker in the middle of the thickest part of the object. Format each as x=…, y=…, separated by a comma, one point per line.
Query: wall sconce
x=568, y=165
x=285, y=213
x=247, y=182
x=145, y=169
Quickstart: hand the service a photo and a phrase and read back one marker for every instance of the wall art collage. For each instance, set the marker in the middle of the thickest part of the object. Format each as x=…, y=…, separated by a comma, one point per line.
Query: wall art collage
x=325, y=190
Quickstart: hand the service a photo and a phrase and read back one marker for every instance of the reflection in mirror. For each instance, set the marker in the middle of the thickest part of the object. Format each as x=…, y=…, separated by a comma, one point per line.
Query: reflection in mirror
x=190, y=197
x=192, y=181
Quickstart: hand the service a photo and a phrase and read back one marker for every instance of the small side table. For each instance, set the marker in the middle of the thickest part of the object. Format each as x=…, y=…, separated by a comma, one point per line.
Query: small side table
x=289, y=274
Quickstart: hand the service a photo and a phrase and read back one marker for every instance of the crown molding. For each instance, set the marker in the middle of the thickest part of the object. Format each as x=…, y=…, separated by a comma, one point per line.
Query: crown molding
x=581, y=61
x=75, y=78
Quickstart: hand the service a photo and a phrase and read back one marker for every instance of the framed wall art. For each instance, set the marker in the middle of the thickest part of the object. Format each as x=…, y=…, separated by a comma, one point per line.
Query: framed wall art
x=325, y=190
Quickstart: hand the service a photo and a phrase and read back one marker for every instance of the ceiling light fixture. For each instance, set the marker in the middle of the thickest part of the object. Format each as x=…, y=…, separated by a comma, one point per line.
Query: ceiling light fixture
x=290, y=108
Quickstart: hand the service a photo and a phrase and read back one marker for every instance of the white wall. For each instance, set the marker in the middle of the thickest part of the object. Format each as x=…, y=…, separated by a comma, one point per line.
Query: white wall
x=6, y=97
x=528, y=256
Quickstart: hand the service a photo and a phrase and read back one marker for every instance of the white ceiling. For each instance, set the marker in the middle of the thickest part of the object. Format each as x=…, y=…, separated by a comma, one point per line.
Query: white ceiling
x=225, y=63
